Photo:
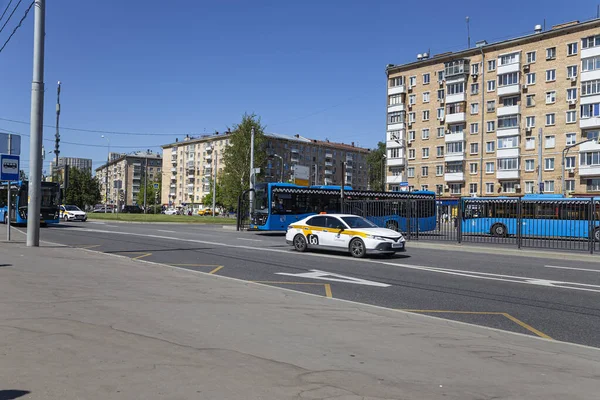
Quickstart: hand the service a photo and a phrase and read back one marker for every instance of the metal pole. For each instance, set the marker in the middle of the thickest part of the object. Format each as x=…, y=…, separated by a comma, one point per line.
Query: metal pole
x=106, y=177
x=8, y=194
x=540, y=161
x=146, y=184
x=252, y=171
x=57, y=136
x=36, y=130
x=482, y=128
x=214, y=186
x=564, y=187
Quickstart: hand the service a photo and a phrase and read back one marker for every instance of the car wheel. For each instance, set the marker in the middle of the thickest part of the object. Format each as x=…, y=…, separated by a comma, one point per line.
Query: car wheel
x=300, y=243
x=499, y=230
x=357, y=248
x=393, y=225
x=66, y=218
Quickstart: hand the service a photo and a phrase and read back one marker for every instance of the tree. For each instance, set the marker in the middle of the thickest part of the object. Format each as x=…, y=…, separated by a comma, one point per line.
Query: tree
x=375, y=167
x=150, y=199
x=236, y=157
x=82, y=190
x=22, y=175
x=208, y=198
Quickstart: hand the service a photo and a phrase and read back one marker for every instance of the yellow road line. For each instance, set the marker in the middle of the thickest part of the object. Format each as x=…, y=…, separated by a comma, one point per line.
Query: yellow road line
x=328, y=290
x=526, y=326
x=142, y=256
x=216, y=269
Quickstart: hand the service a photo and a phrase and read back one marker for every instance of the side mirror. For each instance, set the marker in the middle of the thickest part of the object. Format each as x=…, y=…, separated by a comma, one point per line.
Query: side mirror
x=340, y=227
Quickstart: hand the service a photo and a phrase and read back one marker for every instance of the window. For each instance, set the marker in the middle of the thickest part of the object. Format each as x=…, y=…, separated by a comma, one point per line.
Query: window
x=424, y=171
x=411, y=154
x=439, y=189
x=530, y=100
x=454, y=147
x=572, y=94
x=571, y=116
x=474, y=148
x=551, y=97
x=491, y=65
x=549, y=164
x=489, y=167
x=439, y=170
x=393, y=153
x=475, y=68
x=474, y=88
x=590, y=87
x=571, y=49
x=454, y=108
x=530, y=78
x=491, y=126
x=440, y=151
x=529, y=143
x=440, y=113
x=571, y=138
x=590, y=158
x=490, y=147
x=593, y=185
x=425, y=134
x=529, y=165
x=412, y=81
x=394, y=135
x=491, y=86
x=571, y=71
x=530, y=56
x=425, y=97
x=440, y=76
x=508, y=164
x=590, y=110
x=474, y=108
x=412, y=117
x=489, y=187
x=530, y=122
x=508, y=122
x=570, y=185
x=410, y=172
x=425, y=152
x=396, y=117
x=397, y=81
x=509, y=187
x=591, y=134
x=457, y=128
x=440, y=132
x=550, y=75
x=426, y=79
x=590, y=41
x=508, y=59
x=551, y=53
x=570, y=162
x=548, y=186
x=473, y=167
x=491, y=106
x=529, y=186
x=456, y=88
x=424, y=187
x=474, y=128
x=426, y=115
x=550, y=119
x=550, y=142
x=412, y=99
x=395, y=99
x=509, y=142
x=590, y=64
x=411, y=136
x=440, y=94
x=396, y=171
x=511, y=78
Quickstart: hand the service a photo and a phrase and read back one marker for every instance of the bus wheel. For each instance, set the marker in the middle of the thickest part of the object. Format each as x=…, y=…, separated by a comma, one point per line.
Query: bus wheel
x=393, y=225
x=597, y=234
x=300, y=243
x=499, y=230
x=357, y=248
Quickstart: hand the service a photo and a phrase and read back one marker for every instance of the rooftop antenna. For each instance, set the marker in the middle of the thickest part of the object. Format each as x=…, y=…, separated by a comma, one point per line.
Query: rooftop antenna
x=468, y=34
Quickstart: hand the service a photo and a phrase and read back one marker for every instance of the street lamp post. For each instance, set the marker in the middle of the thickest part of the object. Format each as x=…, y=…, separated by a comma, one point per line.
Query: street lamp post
x=564, y=155
x=106, y=177
x=281, y=160
x=383, y=159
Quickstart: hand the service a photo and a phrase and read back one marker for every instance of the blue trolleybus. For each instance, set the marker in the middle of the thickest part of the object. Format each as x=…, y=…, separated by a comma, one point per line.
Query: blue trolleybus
x=277, y=205
x=19, y=199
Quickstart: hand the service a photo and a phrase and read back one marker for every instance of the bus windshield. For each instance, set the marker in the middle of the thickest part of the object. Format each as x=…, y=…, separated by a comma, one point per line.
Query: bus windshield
x=261, y=199
x=358, y=222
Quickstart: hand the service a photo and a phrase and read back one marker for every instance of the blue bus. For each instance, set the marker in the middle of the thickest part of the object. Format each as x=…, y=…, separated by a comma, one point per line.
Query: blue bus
x=278, y=205
x=19, y=199
x=536, y=215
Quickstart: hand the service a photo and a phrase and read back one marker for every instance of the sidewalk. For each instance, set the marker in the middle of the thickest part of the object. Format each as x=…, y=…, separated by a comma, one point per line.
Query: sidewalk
x=83, y=325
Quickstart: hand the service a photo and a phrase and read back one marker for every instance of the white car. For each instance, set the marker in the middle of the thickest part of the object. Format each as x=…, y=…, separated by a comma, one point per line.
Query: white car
x=343, y=232
x=72, y=213
x=172, y=211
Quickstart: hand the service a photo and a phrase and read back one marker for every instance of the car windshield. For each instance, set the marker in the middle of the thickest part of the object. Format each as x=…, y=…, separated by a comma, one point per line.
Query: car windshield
x=72, y=208
x=358, y=222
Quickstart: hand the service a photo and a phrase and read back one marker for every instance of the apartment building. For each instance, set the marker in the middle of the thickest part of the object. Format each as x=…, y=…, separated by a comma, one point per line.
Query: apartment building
x=73, y=162
x=495, y=119
x=127, y=174
x=193, y=162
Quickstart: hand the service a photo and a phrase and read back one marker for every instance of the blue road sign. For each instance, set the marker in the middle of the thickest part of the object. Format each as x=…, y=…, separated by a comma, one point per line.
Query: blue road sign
x=9, y=167
x=403, y=183
x=156, y=186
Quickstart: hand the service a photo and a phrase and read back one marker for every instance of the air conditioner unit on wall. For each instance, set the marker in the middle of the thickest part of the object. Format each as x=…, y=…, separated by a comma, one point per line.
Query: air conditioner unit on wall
x=517, y=187
x=447, y=187
x=571, y=102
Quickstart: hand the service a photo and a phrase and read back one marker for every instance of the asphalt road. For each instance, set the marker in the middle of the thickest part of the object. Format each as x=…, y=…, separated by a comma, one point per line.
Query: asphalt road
x=551, y=298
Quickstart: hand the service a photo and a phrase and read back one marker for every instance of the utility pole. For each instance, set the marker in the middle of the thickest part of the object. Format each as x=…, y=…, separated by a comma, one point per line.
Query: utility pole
x=57, y=136
x=106, y=177
x=252, y=172
x=8, y=194
x=482, y=127
x=215, y=186
x=146, y=183
x=36, y=130
x=540, y=161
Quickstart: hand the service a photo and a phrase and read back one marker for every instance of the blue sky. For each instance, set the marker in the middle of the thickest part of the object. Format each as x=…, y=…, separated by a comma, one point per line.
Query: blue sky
x=312, y=67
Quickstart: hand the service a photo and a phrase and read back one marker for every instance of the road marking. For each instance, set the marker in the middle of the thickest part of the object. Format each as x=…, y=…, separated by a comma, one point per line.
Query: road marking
x=573, y=269
x=142, y=254
x=87, y=246
x=506, y=315
x=468, y=274
x=326, y=285
x=215, y=270
x=250, y=240
x=164, y=230
x=329, y=276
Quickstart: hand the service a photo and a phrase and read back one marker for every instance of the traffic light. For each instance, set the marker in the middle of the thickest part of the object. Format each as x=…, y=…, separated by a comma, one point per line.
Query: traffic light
x=122, y=196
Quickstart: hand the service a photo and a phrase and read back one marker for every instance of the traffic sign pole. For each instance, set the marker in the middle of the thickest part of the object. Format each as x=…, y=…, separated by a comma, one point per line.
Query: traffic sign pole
x=8, y=197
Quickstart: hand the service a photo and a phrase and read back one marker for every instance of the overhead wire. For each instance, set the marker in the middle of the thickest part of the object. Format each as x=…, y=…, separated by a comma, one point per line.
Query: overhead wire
x=5, y=10
x=18, y=26
x=10, y=16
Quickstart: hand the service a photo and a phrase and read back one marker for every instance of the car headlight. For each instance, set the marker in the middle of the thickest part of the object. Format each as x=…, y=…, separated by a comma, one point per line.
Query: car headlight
x=376, y=237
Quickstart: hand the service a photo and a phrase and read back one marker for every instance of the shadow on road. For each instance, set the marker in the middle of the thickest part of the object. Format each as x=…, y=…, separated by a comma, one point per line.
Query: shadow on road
x=5, y=265
x=12, y=394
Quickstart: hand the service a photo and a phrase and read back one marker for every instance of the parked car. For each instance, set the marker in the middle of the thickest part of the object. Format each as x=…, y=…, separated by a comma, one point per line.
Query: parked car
x=172, y=211
x=207, y=211
x=135, y=209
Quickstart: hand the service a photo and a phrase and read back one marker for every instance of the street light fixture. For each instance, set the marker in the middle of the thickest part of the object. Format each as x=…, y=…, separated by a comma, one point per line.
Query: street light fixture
x=106, y=177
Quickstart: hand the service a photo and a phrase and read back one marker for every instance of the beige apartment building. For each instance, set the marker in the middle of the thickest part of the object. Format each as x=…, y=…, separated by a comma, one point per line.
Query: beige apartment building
x=126, y=176
x=190, y=165
x=494, y=119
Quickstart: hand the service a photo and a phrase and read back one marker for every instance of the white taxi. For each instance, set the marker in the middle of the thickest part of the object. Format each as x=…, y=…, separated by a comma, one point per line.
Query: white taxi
x=72, y=213
x=343, y=232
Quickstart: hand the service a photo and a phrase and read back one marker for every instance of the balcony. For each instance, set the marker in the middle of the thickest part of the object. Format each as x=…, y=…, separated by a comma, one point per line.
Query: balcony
x=208, y=149
x=208, y=156
x=349, y=157
x=190, y=165
x=591, y=52
x=507, y=153
x=507, y=132
x=206, y=188
x=208, y=172
x=394, y=179
x=401, y=89
x=207, y=166
x=396, y=162
x=396, y=107
x=396, y=126
x=190, y=185
x=589, y=170
x=450, y=157
x=173, y=185
x=589, y=146
x=456, y=98
x=455, y=118
x=455, y=137
x=593, y=122
x=507, y=68
x=328, y=164
x=295, y=159
x=174, y=157
x=454, y=177
x=509, y=110
x=349, y=166
x=294, y=150
x=328, y=155
x=509, y=89
x=507, y=174
x=328, y=171
x=173, y=178
x=328, y=181
x=173, y=169
x=348, y=173
x=590, y=75
x=172, y=194
x=174, y=162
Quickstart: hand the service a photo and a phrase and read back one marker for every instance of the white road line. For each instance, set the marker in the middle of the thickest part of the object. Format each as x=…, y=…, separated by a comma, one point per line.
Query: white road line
x=94, y=222
x=164, y=230
x=573, y=269
x=456, y=272
x=250, y=240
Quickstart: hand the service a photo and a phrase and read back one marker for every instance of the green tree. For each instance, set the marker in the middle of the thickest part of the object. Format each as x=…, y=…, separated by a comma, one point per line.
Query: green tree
x=22, y=175
x=150, y=199
x=375, y=167
x=208, y=198
x=236, y=157
x=82, y=189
